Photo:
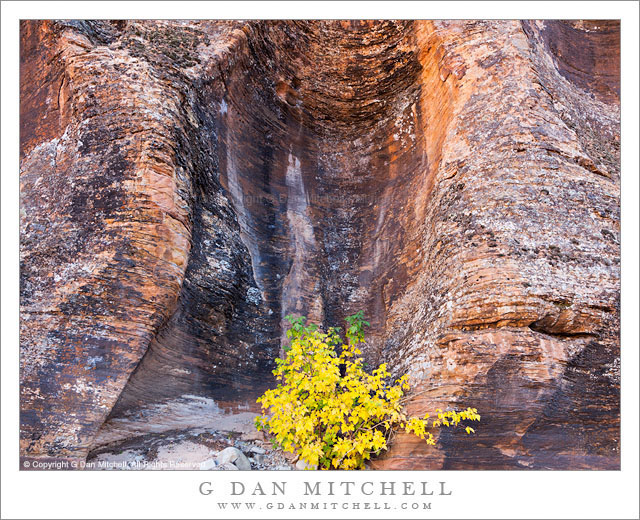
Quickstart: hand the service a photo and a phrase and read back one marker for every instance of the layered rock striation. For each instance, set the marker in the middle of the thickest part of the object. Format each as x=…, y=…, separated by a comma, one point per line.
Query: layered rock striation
x=185, y=185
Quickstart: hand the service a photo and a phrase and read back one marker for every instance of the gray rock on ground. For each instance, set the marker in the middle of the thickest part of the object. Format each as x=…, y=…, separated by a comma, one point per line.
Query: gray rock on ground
x=234, y=456
x=208, y=465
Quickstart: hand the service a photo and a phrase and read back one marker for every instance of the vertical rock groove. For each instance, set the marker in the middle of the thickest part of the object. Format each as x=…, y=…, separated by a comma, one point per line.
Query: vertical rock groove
x=187, y=184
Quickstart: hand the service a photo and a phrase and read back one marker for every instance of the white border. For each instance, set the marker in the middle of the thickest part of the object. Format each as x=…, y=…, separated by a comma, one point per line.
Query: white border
x=174, y=494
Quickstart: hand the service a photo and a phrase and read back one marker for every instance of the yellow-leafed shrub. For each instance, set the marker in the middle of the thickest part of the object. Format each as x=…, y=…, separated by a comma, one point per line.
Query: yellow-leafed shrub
x=332, y=412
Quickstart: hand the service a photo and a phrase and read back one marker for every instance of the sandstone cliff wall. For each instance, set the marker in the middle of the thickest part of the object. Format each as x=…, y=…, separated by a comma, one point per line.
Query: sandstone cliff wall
x=185, y=185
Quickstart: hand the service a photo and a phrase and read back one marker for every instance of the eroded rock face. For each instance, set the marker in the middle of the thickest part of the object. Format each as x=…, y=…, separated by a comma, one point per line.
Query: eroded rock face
x=186, y=185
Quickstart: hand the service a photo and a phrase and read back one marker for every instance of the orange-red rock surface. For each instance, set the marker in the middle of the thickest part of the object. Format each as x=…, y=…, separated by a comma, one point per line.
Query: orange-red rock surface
x=185, y=185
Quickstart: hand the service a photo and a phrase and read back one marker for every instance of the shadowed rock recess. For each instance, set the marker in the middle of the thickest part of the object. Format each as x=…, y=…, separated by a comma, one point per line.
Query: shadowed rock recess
x=187, y=184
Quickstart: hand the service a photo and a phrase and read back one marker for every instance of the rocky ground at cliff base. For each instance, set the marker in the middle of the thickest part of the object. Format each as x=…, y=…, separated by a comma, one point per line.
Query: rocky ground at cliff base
x=192, y=449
